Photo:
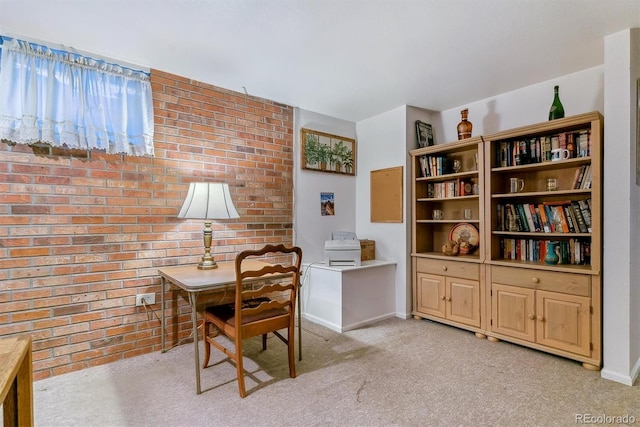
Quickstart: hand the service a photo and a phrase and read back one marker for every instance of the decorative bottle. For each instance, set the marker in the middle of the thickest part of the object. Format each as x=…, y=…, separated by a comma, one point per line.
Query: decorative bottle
x=465, y=126
x=557, y=110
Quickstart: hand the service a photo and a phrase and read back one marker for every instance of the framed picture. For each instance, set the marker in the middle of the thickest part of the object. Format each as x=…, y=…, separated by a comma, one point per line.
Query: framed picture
x=424, y=134
x=327, y=153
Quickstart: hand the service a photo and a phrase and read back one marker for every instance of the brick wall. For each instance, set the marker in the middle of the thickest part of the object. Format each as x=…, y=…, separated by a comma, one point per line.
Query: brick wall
x=80, y=237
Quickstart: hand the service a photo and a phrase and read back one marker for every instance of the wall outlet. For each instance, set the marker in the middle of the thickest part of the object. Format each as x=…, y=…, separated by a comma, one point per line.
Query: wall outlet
x=149, y=299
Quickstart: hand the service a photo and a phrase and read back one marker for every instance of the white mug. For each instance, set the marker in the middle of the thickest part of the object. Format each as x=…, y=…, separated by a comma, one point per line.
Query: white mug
x=516, y=185
x=559, y=154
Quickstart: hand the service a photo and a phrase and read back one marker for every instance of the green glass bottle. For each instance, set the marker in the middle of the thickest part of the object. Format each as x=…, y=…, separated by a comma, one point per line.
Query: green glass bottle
x=557, y=110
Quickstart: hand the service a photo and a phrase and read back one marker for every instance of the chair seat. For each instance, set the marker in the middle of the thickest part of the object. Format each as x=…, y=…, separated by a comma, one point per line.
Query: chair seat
x=226, y=312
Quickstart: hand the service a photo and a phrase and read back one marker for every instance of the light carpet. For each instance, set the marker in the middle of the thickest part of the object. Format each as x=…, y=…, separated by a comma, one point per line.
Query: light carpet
x=393, y=373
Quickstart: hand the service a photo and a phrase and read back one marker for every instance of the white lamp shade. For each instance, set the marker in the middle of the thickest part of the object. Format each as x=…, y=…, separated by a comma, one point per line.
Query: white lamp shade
x=208, y=200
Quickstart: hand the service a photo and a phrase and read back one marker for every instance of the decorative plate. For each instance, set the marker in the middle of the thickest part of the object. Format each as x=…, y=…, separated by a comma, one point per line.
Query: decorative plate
x=465, y=232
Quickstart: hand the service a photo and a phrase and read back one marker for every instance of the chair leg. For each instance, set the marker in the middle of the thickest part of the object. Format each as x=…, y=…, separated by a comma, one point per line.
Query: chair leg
x=240, y=368
x=205, y=342
x=264, y=342
x=291, y=350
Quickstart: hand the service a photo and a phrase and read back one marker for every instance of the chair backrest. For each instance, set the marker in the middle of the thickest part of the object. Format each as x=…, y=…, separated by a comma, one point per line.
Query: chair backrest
x=266, y=289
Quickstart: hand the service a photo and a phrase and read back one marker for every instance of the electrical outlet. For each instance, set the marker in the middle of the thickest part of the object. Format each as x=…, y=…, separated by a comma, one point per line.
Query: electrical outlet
x=149, y=299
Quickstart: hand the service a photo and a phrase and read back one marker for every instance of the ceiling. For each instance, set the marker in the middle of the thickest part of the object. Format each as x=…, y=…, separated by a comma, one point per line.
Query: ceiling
x=350, y=59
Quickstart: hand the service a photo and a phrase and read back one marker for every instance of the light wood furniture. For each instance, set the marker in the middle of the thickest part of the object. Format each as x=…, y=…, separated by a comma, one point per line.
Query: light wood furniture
x=555, y=308
x=16, y=381
x=257, y=310
x=550, y=307
x=204, y=287
x=448, y=289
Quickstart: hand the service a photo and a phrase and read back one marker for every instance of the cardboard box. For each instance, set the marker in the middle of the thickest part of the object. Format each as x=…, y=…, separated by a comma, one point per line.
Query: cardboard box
x=368, y=249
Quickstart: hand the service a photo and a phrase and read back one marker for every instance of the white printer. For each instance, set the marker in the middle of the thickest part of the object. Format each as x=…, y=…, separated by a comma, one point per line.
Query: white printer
x=342, y=250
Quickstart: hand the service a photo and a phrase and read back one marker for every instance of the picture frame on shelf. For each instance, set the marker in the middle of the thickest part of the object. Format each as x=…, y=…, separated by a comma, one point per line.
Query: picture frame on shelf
x=424, y=134
x=325, y=152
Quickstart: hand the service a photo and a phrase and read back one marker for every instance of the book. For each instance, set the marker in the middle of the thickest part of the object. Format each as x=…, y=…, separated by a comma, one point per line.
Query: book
x=577, y=178
x=534, y=217
x=566, y=210
x=563, y=219
x=583, y=144
x=529, y=218
x=546, y=225
x=582, y=226
x=502, y=154
x=571, y=144
x=546, y=148
x=586, y=182
x=523, y=218
x=554, y=222
x=586, y=213
x=513, y=219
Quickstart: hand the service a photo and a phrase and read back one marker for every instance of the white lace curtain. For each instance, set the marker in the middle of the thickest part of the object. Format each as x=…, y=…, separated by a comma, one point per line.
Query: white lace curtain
x=65, y=99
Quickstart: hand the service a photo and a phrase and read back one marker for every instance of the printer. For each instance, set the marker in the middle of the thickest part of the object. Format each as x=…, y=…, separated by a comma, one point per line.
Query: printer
x=342, y=250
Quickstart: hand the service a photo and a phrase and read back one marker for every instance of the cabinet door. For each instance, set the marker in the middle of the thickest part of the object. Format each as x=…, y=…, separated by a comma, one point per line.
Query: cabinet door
x=463, y=301
x=564, y=322
x=513, y=311
x=430, y=294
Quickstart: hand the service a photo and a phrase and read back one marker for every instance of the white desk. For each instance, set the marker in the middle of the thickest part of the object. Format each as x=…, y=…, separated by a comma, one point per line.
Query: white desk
x=345, y=298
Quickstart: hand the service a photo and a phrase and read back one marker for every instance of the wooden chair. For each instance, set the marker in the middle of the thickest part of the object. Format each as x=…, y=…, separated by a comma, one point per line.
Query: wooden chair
x=266, y=296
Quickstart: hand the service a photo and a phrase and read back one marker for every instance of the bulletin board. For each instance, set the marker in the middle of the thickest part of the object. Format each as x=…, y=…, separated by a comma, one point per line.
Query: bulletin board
x=386, y=194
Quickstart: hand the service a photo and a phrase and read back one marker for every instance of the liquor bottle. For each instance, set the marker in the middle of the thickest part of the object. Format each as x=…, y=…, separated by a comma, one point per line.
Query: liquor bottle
x=557, y=110
x=465, y=126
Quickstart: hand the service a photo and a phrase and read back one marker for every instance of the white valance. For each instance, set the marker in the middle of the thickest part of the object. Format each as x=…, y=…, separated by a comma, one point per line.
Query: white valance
x=66, y=99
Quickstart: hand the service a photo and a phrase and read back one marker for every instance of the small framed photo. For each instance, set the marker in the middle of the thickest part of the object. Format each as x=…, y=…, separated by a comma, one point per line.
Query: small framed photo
x=424, y=134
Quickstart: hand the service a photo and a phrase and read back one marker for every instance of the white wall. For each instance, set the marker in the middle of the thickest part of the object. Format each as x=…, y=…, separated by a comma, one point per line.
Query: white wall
x=580, y=92
x=382, y=145
x=621, y=299
x=311, y=229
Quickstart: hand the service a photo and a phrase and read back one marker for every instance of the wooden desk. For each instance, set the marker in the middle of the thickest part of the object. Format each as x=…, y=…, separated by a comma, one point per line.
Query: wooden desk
x=195, y=282
x=16, y=381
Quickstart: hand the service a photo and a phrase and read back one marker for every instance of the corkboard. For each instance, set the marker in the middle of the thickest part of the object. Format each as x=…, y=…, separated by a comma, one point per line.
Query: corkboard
x=386, y=194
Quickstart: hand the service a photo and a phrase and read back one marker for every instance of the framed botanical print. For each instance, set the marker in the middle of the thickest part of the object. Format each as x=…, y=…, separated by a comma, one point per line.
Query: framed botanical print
x=327, y=153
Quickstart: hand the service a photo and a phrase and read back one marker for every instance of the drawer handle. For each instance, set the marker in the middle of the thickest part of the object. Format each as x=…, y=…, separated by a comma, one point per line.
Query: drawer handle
x=540, y=318
x=532, y=316
x=535, y=280
x=449, y=299
x=444, y=268
x=442, y=298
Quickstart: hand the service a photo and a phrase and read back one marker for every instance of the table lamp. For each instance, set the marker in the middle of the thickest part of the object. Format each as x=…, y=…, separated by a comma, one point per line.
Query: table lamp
x=207, y=201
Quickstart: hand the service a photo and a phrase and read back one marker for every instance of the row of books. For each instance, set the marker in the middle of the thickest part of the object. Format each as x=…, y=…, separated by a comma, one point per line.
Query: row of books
x=435, y=165
x=547, y=217
x=538, y=149
x=582, y=177
x=451, y=188
x=571, y=251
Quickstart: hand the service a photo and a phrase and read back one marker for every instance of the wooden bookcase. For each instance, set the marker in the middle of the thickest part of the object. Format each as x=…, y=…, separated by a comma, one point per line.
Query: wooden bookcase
x=448, y=289
x=556, y=308
x=522, y=298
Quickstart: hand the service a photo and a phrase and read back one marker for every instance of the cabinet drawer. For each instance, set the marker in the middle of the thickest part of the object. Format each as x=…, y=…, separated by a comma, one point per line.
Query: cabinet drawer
x=464, y=270
x=568, y=283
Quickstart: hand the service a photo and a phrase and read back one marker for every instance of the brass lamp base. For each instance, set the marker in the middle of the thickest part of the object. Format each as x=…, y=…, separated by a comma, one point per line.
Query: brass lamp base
x=207, y=263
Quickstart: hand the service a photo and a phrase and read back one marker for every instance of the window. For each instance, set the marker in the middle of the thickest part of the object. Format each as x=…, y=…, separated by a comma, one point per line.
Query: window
x=69, y=100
